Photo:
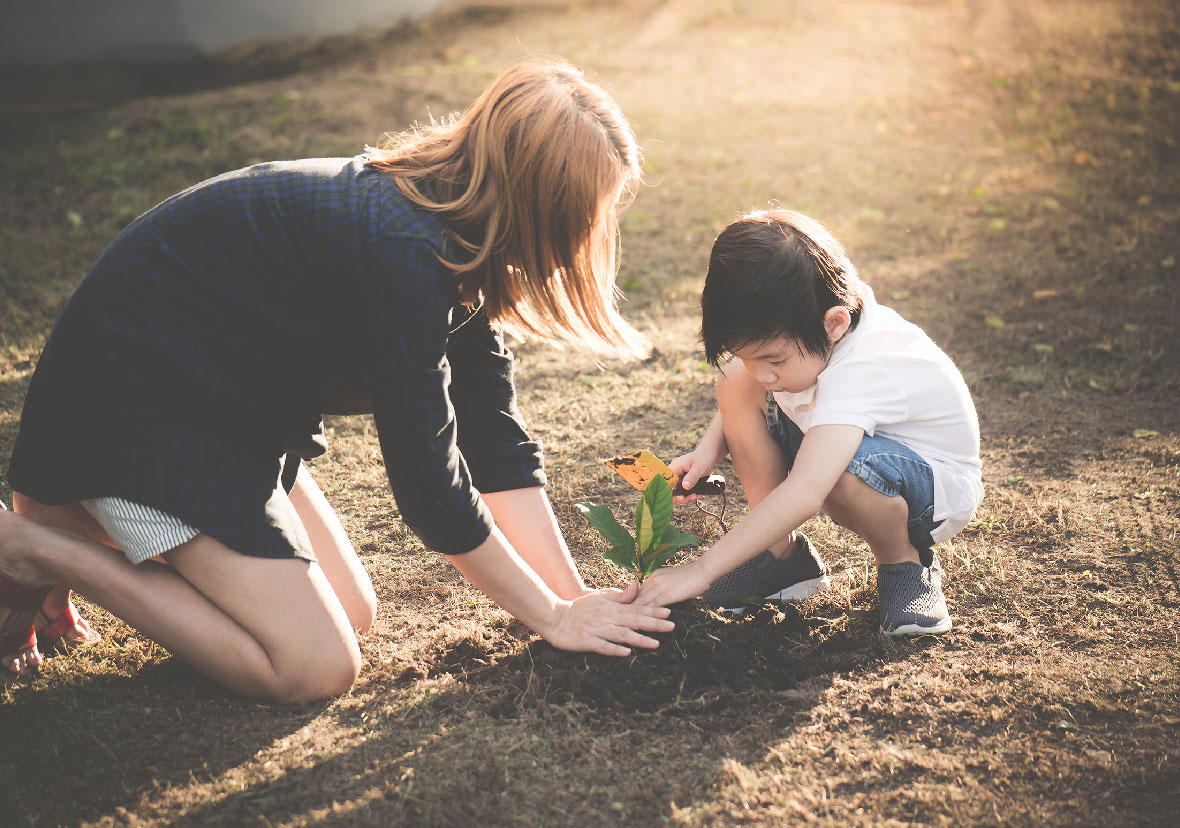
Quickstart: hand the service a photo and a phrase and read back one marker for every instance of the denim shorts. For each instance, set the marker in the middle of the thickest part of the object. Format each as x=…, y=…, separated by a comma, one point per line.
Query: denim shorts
x=886, y=465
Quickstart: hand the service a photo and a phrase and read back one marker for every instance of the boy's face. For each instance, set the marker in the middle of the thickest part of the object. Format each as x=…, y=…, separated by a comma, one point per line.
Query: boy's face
x=780, y=364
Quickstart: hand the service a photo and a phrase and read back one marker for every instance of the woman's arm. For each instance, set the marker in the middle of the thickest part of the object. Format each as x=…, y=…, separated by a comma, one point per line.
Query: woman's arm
x=526, y=519
x=594, y=622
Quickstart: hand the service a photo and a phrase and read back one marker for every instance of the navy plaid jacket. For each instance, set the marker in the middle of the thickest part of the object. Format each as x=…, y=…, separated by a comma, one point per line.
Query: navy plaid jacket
x=209, y=338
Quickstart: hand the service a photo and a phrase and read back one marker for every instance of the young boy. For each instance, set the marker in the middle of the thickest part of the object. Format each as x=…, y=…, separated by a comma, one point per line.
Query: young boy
x=832, y=402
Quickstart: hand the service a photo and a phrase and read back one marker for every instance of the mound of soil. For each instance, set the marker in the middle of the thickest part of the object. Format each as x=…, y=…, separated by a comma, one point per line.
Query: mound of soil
x=768, y=647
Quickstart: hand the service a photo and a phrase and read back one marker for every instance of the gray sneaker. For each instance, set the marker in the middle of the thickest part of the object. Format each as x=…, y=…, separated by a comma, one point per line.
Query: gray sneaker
x=794, y=579
x=911, y=599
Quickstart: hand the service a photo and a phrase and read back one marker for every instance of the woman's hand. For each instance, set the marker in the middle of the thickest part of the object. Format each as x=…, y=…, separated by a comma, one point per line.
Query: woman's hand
x=670, y=584
x=605, y=621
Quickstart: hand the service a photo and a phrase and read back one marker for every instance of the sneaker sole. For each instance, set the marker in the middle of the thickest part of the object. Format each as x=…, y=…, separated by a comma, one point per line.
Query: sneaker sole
x=794, y=594
x=918, y=629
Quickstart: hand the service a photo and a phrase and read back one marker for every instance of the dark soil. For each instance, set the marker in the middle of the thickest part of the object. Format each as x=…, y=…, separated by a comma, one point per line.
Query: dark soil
x=1003, y=173
x=707, y=653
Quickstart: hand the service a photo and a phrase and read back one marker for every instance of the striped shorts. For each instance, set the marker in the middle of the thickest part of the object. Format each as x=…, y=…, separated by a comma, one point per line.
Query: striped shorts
x=140, y=531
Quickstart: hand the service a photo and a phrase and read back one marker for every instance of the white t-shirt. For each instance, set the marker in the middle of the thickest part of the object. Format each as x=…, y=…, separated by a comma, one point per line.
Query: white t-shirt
x=890, y=379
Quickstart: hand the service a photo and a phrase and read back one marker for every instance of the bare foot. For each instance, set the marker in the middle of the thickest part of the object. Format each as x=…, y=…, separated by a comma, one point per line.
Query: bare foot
x=23, y=664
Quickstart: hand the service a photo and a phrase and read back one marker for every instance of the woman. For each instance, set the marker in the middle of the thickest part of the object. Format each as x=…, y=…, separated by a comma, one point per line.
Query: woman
x=185, y=379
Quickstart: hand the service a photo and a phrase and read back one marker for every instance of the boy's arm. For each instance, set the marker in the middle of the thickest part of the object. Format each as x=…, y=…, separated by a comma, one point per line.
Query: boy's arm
x=823, y=456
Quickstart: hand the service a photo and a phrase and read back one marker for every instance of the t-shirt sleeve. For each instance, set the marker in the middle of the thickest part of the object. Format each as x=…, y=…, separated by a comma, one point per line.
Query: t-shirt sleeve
x=406, y=305
x=859, y=392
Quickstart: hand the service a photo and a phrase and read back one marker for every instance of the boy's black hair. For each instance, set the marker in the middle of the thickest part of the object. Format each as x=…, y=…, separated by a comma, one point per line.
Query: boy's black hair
x=775, y=273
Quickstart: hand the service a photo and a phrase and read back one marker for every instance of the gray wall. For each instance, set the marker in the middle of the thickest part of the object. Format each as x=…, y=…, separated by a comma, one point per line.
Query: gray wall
x=80, y=31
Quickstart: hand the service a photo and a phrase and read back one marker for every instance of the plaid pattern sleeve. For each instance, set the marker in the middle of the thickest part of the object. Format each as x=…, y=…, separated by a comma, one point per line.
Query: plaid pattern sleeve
x=492, y=433
x=443, y=400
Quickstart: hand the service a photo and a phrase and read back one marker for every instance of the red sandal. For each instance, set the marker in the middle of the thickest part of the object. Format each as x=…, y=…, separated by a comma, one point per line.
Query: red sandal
x=16, y=630
x=52, y=636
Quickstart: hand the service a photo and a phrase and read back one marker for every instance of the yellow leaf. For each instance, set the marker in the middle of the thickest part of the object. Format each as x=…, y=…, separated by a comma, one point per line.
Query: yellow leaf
x=1143, y=433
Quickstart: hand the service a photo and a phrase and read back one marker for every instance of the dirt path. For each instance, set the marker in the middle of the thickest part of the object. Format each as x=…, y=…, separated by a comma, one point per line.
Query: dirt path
x=1004, y=173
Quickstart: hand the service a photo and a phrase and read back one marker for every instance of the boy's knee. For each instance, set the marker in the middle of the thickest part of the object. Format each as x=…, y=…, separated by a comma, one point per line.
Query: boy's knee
x=851, y=498
x=845, y=491
x=735, y=386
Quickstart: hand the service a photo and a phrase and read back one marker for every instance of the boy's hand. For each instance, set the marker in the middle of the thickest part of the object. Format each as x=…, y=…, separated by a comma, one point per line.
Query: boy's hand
x=603, y=621
x=670, y=584
x=691, y=468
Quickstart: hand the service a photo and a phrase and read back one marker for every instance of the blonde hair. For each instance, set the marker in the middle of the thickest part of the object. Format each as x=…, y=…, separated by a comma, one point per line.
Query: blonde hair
x=528, y=179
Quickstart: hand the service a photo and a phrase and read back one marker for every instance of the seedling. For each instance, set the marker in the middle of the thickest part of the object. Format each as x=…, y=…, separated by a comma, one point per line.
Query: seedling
x=641, y=467
x=655, y=541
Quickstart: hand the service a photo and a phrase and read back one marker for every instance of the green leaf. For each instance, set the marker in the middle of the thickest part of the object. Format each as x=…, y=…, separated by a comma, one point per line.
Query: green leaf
x=652, y=515
x=602, y=519
x=624, y=557
x=674, y=537
x=660, y=556
x=642, y=527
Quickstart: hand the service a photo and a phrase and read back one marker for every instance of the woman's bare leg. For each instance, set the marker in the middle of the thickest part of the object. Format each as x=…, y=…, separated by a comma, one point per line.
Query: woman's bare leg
x=336, y=555
x=267, y=628
x=757, y=459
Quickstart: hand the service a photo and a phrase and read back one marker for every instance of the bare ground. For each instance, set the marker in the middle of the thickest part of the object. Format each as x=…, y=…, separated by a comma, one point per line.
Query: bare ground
x=1004, y=173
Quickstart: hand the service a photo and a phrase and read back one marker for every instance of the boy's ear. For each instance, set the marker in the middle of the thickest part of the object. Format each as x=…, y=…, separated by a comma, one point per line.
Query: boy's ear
x=837, y=321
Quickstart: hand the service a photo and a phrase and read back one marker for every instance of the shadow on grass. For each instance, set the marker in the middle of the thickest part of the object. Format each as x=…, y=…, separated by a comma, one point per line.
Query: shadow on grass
x=569, y=737
x=84, y=748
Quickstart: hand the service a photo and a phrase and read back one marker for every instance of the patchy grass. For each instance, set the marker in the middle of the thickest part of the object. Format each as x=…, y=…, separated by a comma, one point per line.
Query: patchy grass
x=1004, y=174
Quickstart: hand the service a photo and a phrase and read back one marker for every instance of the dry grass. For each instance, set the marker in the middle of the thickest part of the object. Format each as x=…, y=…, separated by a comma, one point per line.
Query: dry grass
x=1003, y=173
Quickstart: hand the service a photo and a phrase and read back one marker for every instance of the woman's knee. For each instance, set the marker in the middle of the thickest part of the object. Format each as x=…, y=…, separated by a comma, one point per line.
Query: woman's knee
x=319, y=675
